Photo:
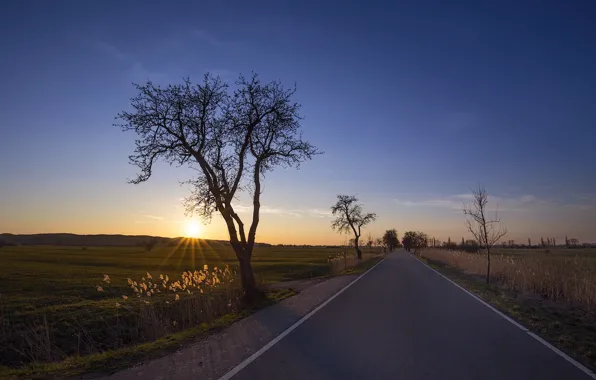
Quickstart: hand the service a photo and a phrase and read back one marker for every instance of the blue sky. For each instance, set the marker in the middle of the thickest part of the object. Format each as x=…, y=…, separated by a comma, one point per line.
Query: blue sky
x=413, y=104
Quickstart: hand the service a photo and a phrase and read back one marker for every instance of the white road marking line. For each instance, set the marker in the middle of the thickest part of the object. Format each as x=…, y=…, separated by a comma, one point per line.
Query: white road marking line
x=575, y=363
x=263, y=349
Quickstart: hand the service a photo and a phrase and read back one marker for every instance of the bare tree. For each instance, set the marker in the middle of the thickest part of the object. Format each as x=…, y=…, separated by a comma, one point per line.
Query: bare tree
x=229, y=140
x=350, y=217
x=487, y=232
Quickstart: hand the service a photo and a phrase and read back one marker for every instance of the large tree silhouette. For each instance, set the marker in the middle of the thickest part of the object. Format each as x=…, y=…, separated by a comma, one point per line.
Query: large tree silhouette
x=230, y=139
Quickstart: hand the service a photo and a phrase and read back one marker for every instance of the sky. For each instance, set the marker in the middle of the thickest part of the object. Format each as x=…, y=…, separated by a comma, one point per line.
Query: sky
x=413, y=104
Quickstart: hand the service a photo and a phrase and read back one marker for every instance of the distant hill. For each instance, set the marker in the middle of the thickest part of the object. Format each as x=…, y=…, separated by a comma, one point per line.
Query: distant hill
x=79, y=240
x=65, y=239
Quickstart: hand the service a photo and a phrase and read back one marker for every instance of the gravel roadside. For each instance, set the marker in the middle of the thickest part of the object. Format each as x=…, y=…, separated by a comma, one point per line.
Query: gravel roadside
x=217, y=354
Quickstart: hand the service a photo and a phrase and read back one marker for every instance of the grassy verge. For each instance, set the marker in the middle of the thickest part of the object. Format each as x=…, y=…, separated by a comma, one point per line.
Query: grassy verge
x=570, y=329
x=363, y=266
x=74, y=310
x=112, y=360
x=56, y=303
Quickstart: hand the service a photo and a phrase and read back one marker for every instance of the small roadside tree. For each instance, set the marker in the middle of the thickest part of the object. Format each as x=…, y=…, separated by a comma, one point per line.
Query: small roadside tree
x=486, y=231
x=390, y=239
x=350, y=218
x=230, y=140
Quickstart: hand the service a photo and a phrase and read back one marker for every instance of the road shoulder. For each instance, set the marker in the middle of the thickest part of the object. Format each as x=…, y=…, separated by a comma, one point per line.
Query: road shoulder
x=214, y=356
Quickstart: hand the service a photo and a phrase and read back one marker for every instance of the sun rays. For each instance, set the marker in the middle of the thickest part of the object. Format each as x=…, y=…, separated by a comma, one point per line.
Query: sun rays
x=189, y=252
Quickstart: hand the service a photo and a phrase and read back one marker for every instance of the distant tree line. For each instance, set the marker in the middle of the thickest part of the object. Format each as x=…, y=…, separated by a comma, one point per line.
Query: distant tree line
x=466, y=245
x=472, y=246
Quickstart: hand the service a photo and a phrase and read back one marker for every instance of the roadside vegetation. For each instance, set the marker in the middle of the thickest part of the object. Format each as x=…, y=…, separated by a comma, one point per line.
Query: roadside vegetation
x=548, y=288
x=565, y=276
x=552, y=293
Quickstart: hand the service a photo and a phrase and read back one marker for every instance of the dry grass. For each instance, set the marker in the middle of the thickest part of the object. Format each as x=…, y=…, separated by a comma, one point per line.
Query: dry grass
x=565, y=279
x=344, y=260
x=151, y=309
x=549, y=293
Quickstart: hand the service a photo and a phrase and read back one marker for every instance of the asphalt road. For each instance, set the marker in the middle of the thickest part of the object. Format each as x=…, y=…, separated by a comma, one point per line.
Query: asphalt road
x=403, y=321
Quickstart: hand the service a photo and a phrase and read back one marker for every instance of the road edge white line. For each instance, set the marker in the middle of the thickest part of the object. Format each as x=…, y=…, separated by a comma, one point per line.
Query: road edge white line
x=574, y=362
x=266, y=347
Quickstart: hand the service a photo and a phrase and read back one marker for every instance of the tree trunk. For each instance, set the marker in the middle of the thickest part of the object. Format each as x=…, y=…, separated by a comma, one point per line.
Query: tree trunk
x=243, y=252
x=487, y=265
x=247, y=278
x=358, y=251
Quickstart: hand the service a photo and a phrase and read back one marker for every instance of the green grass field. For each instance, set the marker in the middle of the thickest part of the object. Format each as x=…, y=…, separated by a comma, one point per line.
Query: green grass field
x=37, y=276
x=52, y=290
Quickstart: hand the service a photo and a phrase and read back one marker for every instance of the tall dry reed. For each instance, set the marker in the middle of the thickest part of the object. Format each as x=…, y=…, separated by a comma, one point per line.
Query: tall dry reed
x=569, y=280
x=148, y=309
x=344, y=260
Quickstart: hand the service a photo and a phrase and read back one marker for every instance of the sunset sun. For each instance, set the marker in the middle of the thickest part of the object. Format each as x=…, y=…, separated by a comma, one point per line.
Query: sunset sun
x=192, y=229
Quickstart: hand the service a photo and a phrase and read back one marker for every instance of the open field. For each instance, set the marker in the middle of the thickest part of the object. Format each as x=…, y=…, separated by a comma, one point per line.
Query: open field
x=552, y=292
x=50, y=293
x=37, y=276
